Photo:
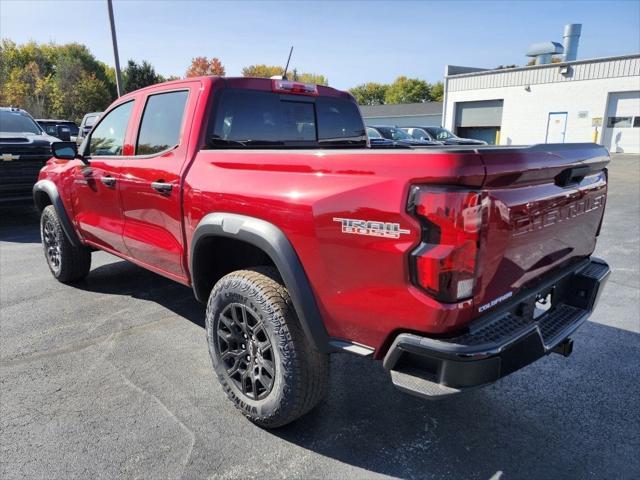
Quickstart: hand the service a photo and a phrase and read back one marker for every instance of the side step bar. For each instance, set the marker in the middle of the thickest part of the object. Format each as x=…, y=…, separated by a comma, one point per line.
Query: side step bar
x=416, y=382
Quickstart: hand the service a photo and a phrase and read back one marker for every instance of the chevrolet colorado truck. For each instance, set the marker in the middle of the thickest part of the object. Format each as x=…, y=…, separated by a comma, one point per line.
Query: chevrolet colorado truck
x=454, y=266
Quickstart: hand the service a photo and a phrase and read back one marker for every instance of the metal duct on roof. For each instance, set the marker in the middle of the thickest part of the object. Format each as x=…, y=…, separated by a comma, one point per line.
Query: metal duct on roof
x=571, y=38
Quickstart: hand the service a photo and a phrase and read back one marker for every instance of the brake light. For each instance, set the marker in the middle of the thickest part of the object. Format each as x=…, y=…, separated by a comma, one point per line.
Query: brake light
x=287, y=86
x=444, y=264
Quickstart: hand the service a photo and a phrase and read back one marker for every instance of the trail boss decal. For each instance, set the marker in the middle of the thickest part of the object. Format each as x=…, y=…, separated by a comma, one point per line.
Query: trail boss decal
x=371, y=228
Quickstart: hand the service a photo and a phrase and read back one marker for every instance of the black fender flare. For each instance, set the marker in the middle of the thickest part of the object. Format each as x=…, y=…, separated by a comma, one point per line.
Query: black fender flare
x=48, y=188
x=271, y=240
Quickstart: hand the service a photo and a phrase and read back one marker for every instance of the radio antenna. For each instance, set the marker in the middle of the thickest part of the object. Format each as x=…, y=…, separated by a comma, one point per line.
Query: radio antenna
x=284, y=74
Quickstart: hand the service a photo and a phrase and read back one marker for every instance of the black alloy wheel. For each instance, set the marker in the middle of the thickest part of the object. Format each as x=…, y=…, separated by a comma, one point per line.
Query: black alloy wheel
x=52, y=245
x=246, y=351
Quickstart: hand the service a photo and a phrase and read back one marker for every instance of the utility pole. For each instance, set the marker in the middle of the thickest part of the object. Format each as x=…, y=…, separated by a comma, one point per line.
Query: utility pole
x=115, y=48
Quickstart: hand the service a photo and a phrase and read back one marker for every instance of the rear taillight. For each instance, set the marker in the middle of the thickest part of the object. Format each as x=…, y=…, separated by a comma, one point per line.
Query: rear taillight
x=286, y=86
x=444, y=264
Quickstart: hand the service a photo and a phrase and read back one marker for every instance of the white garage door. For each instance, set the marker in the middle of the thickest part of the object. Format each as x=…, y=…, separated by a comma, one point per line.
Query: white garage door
x=622, y=125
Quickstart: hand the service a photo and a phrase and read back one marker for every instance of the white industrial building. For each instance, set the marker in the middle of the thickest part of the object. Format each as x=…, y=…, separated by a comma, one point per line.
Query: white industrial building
x=427, y=114
x=595, y=100
x=578, y=101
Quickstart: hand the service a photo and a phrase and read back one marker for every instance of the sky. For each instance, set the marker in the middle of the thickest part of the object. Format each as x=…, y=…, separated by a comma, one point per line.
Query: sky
x=349, y=42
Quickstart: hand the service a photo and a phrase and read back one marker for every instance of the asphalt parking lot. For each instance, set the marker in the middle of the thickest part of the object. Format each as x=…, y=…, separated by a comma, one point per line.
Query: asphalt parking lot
x=111, y=378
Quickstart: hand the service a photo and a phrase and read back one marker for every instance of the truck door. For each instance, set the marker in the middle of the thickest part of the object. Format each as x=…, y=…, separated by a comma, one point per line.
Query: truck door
x=151, y=182
x=96, y=203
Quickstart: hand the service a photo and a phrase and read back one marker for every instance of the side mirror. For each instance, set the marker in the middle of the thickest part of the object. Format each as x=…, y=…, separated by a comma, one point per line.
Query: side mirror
x=64, y=150
x=63, y=133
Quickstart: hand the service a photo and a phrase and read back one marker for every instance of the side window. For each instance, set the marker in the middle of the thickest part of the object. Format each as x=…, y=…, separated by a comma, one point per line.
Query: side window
x=108, y=137
x=618, y=122
x=371, y=133
x=419, y=134
x=161, y=124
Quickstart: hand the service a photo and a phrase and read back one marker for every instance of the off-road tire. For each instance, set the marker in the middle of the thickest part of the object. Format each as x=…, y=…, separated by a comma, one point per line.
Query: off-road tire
x=301, y=372
x=67, y=263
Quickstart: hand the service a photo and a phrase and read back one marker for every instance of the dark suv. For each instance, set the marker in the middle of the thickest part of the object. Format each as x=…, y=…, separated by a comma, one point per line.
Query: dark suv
x=24, y=149
x=65, y=130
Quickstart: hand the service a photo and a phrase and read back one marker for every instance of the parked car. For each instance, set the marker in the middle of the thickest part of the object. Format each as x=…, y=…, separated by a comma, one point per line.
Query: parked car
x=65, y=130
x=401, y=137
x=87, y=123
x=378, y=141
x=441, y=135
x=262, y=196
x=24, y=149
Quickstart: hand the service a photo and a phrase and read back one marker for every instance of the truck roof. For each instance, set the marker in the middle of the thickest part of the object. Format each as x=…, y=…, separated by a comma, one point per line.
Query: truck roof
x=250, y=83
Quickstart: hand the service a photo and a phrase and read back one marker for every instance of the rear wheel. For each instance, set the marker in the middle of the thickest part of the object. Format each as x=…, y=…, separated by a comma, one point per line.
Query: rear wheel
x=263, y=360
x=66, y=262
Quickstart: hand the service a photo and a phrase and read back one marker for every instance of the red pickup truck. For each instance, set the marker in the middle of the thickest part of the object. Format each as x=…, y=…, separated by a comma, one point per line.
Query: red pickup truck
x=455, y=266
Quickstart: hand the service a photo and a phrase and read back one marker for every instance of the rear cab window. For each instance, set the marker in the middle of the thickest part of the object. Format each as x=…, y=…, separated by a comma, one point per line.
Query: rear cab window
x=244, y=118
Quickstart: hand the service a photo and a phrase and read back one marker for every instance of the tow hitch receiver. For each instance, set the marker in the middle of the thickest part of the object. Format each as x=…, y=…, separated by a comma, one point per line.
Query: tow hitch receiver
x=564, y=348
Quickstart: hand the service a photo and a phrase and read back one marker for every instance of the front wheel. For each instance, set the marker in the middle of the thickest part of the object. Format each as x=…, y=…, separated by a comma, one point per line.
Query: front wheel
x=66, y=262
x=263, y=360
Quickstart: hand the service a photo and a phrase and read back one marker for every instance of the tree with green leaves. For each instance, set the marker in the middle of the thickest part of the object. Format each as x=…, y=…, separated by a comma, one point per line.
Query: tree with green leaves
x=408, y=90
x=371, y=93
x=309, y=78
x=137, y=76
x=261, y=71
x=50, y=80
x=437, y=92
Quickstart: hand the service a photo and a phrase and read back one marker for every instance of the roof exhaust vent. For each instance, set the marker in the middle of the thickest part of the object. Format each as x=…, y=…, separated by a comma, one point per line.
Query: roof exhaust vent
x=543, y=51
x=570, y=40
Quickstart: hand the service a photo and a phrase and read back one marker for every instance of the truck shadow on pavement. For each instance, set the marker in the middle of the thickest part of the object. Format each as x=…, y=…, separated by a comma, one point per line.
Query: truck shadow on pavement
x=13, y=221
x=556, y=418
x=125, y=278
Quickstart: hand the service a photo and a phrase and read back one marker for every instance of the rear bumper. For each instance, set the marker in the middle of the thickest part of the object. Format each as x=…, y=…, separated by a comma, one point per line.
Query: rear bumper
x=501, y=342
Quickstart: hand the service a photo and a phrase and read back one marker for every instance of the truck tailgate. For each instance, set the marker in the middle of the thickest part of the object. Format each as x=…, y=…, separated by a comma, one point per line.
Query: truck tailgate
x=544, y=209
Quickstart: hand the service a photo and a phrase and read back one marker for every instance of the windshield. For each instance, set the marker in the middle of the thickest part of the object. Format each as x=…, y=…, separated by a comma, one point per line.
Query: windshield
x=16, y=122
x=393, y=133
x=89, y=121
x=373, y=133
x=441, y=133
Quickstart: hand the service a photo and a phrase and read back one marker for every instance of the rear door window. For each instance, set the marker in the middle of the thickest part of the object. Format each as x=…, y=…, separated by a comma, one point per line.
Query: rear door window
x=259, y=119
x=161, y=124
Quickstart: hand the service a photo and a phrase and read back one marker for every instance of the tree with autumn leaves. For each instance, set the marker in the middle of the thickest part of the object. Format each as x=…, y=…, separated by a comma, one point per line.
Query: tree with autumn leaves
x=203, y=66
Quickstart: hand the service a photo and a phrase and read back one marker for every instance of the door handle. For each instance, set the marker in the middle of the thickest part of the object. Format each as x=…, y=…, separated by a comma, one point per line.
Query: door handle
x=108, y=181
x=162, y=187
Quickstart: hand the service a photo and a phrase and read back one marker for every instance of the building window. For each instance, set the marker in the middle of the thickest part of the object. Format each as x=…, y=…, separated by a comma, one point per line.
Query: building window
x=636, y=122
x=619, y=122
